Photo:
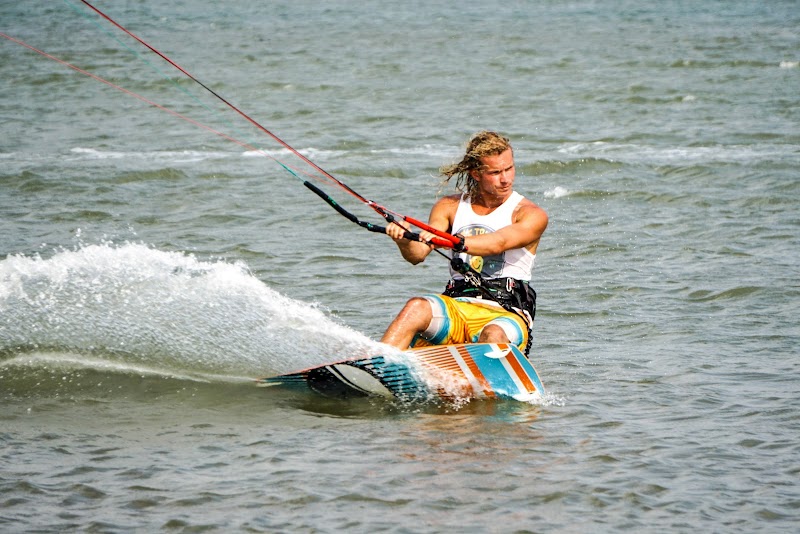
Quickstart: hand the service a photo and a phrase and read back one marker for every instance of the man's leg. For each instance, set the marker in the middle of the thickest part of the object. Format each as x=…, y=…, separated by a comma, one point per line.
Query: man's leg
x=493, y=333
x=415, y=317
x=505, y=329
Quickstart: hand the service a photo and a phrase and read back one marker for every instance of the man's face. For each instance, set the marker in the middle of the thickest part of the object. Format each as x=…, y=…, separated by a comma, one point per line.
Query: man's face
x=496, y=177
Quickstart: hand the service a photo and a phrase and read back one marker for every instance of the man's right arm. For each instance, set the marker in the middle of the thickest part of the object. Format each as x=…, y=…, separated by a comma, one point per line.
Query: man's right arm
x=440, y=218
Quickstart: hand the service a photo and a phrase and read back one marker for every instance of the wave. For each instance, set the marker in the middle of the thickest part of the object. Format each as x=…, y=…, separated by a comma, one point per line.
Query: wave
x=619, y=153
x=74, y=376
x=194, y=156
x=570, y=166
x=706, y=295
x=730, y=63
x=556, y=192
x=174, y=156
x=574, y=156
x=311, y=153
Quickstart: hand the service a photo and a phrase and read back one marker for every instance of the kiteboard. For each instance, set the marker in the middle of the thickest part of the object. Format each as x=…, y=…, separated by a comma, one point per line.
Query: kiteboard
x=446, y=372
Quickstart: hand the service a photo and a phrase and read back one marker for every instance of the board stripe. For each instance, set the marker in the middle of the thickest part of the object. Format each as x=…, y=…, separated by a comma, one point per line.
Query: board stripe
x=527, y=386
x=480, y=386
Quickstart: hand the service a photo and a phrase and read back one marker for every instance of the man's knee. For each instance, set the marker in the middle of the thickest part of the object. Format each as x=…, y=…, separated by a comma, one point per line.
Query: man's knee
x=418, y=309
x=493, y=333
x=418, y=305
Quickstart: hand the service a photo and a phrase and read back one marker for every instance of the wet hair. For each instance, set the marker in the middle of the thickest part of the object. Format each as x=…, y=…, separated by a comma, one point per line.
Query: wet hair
x=481, y=144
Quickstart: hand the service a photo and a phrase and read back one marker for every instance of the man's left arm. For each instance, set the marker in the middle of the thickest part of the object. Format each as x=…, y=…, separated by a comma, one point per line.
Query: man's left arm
x=530, y=222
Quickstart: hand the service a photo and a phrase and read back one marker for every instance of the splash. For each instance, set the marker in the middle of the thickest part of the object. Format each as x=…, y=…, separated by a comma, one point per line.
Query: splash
x=134, y=305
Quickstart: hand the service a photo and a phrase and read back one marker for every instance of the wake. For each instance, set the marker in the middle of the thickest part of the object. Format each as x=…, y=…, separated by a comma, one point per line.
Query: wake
x=138, y=306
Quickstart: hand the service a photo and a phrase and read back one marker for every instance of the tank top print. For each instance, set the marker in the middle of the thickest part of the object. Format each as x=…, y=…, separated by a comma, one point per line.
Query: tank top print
x=514, y=263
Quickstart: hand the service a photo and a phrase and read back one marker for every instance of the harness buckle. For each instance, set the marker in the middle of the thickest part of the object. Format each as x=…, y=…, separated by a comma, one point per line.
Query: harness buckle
x=473, y=279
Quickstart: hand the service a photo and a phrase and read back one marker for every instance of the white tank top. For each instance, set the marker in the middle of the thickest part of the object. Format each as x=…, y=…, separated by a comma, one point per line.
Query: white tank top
x=516, y=263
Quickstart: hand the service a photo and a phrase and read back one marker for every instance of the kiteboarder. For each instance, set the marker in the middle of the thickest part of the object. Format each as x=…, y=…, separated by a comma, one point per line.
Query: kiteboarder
x=488, y=298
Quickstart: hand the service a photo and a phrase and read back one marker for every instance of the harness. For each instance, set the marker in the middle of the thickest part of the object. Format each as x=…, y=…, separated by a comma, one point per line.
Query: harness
x=515, y=296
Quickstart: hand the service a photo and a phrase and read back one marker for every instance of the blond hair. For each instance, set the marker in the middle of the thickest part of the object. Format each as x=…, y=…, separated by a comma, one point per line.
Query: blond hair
x=481, y=144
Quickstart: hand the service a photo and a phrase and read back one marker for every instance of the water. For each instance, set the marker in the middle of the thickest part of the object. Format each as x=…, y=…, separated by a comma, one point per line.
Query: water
x=151, y=269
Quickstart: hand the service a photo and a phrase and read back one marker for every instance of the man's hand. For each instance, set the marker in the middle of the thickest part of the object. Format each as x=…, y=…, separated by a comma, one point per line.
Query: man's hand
x=397, y=229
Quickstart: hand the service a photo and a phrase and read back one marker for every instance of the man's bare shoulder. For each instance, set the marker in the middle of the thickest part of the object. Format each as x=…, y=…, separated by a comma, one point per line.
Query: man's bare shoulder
x=527, y=208
x=450, y=199
x=447, y=204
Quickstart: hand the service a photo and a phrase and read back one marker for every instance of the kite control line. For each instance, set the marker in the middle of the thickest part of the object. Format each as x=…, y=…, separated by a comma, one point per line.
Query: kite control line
x=442, y=239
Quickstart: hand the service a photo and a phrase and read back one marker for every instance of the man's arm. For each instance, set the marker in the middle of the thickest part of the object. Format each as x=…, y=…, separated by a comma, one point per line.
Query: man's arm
x=441, y=217
x=530, y=222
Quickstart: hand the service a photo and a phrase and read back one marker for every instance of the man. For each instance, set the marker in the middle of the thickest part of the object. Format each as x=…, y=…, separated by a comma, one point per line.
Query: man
x=501, y=232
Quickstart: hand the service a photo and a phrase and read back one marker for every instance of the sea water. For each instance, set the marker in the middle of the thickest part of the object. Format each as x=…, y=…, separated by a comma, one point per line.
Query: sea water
x=150, y=268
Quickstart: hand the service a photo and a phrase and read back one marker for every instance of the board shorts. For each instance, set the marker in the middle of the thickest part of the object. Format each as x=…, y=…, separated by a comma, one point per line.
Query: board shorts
x=461, y=320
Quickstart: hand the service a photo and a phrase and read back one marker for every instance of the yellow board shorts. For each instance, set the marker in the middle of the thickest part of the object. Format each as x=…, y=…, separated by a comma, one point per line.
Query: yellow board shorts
x=461, y=320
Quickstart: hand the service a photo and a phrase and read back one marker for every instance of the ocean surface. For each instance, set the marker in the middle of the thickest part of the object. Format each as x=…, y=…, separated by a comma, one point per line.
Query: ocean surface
x=154, y=261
